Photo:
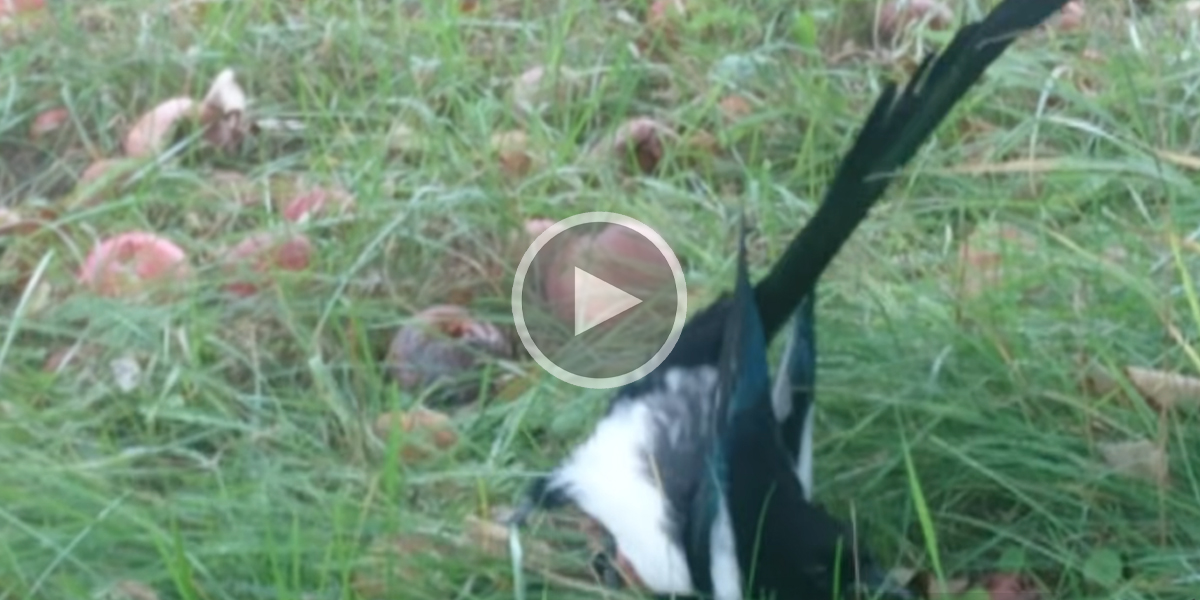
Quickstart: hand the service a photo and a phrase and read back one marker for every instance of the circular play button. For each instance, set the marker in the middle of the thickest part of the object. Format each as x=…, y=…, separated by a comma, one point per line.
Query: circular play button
x=599, y=300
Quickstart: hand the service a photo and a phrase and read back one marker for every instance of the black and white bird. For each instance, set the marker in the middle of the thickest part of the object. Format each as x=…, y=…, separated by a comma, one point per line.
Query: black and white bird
x=751, y=507
x=645, y=472
x=752, y=531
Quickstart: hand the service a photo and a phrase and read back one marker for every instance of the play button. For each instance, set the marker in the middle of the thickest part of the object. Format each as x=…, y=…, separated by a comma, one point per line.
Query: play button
x=599, y=300
x=596, y=301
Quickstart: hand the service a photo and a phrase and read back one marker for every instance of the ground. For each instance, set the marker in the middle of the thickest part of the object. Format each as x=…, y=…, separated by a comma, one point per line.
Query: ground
x=1019, y=407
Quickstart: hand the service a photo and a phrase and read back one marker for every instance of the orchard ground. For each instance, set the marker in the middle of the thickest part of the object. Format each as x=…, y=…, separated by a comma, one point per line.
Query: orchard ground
x=1005, y=344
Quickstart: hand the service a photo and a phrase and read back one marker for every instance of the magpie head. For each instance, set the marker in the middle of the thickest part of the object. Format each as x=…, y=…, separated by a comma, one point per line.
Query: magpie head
x=836, y=566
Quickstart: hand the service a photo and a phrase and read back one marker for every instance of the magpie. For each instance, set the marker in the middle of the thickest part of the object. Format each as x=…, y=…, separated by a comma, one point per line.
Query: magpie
x=752, y=524
x=751, y=511
x=647, y=464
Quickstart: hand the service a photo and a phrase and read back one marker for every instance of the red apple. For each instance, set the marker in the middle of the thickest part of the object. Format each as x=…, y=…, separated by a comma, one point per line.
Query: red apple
x=13, y=7
x=48, y=121
x=616, y=255
x=315, y=201
x=129, y=263
x=256, y=256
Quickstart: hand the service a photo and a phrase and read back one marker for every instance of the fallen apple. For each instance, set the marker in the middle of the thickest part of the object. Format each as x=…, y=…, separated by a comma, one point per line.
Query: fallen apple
x=644, y=137
x=896, y=16
x=133, y=262
x=315, y=201
x=620, y=256
x=151, y=132
x=425, y=431
x=48, y=121
x=444, y=346
x=512, y=150
x=252, y=260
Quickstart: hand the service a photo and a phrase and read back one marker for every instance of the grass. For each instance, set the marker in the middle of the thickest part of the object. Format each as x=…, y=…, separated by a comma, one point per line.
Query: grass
x=243, y=466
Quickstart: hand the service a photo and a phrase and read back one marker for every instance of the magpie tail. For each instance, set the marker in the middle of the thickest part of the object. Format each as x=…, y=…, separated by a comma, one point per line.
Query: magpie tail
x=743, y=372
x=794, y=392
x=900, y=122
x=742, y=396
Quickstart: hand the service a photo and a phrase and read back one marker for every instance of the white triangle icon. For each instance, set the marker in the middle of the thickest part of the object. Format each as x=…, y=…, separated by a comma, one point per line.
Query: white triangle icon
x=597, y=301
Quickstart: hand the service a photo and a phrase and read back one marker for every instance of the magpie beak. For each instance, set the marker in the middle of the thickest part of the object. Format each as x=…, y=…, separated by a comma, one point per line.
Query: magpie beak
x=875, y=583
x=645, y=473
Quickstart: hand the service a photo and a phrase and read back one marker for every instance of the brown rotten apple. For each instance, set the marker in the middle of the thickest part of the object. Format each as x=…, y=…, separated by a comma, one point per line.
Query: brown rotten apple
x=444, y=346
